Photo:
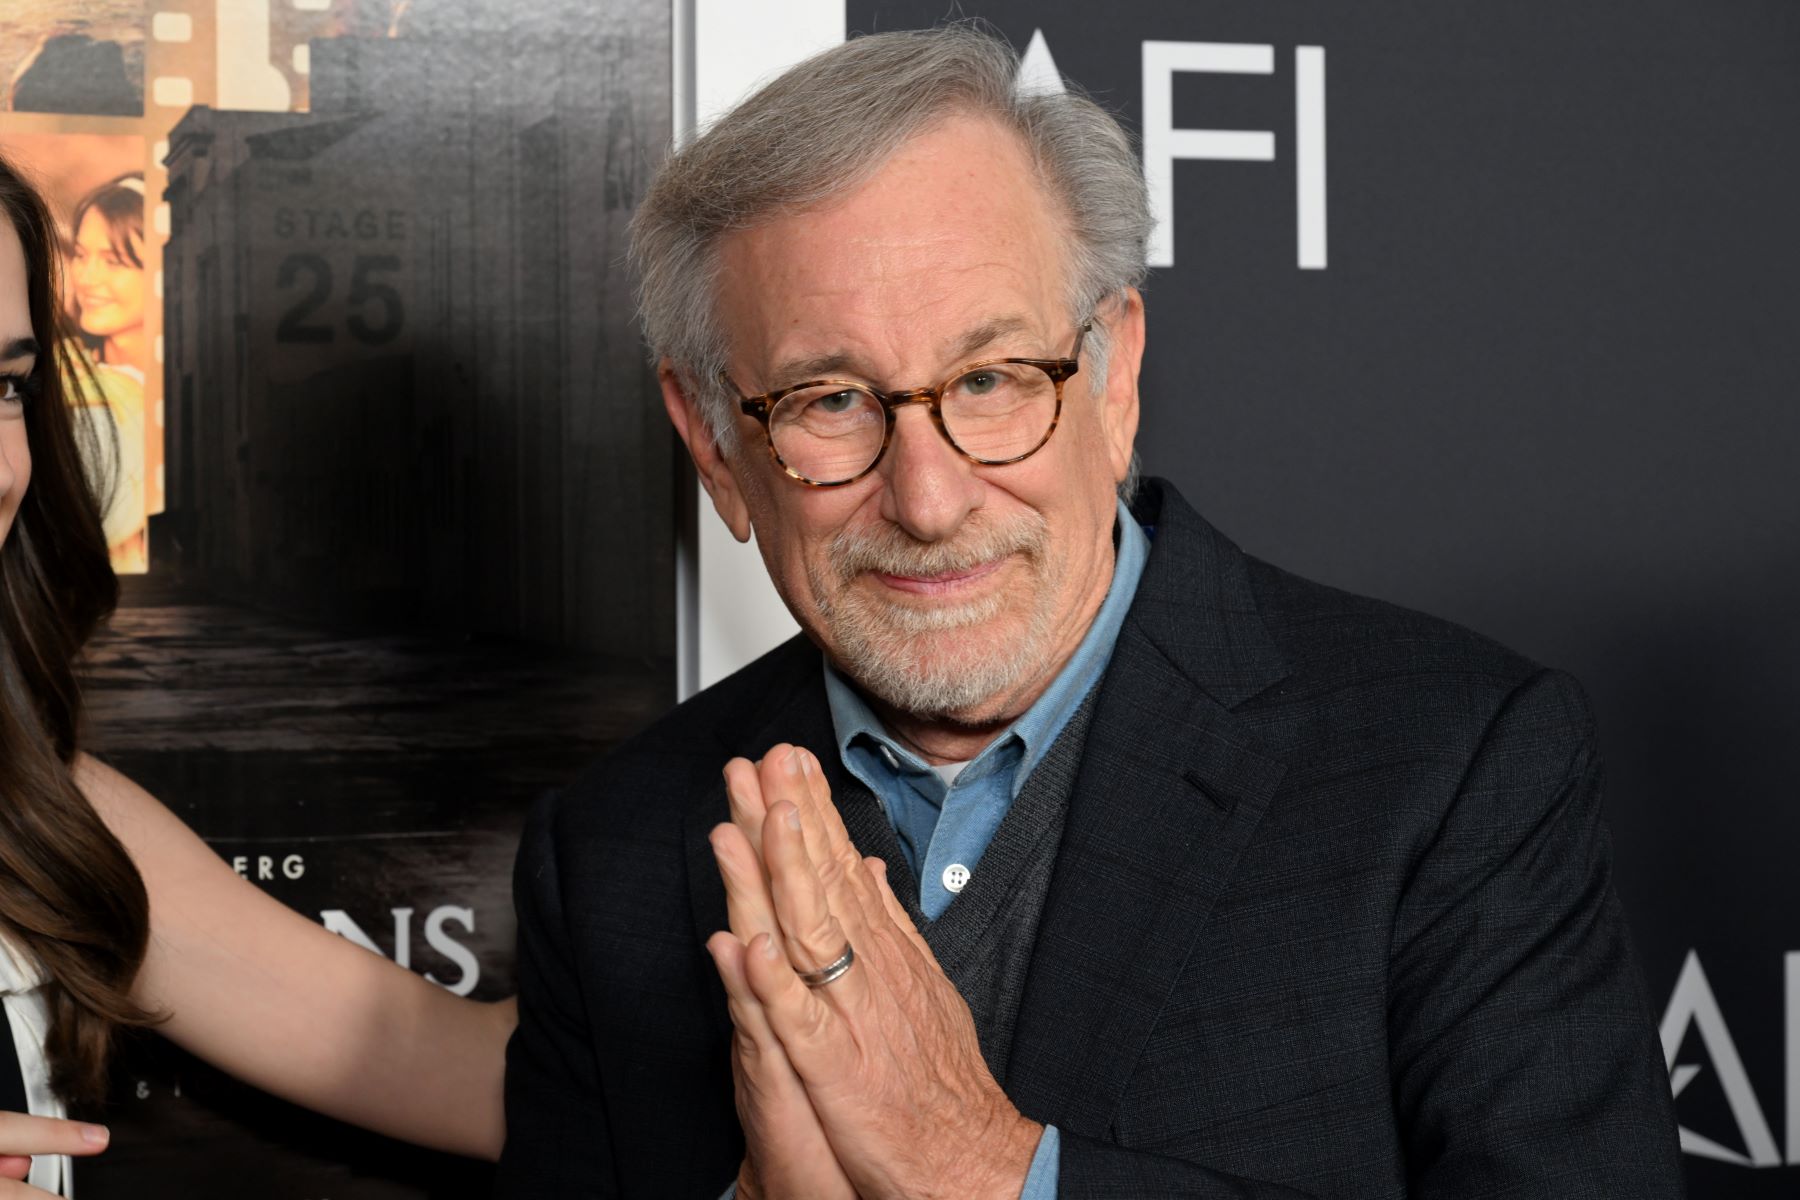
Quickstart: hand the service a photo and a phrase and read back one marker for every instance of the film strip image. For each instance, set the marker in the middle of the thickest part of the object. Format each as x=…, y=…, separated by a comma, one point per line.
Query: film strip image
x=76, y=70
x=407, y=498
x=73, y=56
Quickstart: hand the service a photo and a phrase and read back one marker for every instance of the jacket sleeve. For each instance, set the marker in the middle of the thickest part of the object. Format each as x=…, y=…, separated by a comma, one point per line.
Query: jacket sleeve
x=556, y=1127
x=1522, y=1051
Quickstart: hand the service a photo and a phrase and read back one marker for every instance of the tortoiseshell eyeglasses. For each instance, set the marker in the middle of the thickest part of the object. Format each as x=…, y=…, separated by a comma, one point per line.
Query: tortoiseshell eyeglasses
x=829, y=432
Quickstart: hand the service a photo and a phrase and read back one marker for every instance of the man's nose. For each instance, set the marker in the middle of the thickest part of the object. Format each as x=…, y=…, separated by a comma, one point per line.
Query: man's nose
x=930, y=487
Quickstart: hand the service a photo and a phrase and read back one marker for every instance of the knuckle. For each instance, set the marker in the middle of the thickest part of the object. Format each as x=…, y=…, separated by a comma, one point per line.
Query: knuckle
x=825, y=939
x=831, y=873
x=815, y=1023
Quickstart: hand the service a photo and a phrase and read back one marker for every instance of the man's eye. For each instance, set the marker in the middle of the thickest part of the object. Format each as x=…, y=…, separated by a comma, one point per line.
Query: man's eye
x=981, y=383
x=837, y=403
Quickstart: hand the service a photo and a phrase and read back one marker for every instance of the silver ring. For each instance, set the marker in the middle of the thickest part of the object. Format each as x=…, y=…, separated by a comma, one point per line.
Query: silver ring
x=831, y=970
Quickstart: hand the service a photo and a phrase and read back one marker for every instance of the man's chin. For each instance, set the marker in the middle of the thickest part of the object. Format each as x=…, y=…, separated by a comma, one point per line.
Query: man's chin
x=965, y=674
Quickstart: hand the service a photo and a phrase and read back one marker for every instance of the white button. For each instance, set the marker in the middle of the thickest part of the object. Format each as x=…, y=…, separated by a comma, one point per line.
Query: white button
x=892, y=762
x=956, y=877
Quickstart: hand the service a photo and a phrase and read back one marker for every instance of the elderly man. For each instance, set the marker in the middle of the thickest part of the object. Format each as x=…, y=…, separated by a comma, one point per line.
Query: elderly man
x=1071, y=851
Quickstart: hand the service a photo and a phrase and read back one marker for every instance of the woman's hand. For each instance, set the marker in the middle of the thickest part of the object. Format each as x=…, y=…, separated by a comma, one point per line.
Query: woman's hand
x=23, y=1136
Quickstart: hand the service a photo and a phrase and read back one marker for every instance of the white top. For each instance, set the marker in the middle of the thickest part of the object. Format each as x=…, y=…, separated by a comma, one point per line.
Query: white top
x=947, y=771
x=22, y=991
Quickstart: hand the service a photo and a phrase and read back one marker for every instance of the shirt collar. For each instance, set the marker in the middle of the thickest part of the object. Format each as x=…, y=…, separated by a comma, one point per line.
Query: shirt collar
x=1026, y=740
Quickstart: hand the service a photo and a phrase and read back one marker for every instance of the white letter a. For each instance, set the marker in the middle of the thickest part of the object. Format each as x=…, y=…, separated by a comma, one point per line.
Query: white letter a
x=1693, y=1002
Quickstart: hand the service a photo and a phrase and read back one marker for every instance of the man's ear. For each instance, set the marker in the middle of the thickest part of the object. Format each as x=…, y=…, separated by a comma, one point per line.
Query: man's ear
x=1124, y=356
x=714, y=469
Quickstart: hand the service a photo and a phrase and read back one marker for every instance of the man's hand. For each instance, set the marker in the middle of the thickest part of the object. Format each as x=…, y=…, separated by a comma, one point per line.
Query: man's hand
x=887, y=1053
x=786, y=1152
x=22, y=1137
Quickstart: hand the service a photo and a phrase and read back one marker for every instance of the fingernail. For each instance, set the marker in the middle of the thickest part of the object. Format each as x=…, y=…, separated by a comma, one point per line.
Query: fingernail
x=768, y=947
x=793, y=762
x=792, y=818
x=806, y=761
x=95, y=1135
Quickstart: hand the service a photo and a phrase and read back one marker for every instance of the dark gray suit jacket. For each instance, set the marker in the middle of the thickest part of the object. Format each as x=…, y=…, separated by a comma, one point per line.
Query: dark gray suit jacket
x=1332, y=916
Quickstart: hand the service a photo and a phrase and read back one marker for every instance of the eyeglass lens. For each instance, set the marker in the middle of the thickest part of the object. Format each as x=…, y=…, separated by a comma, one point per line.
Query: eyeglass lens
x=993, y=412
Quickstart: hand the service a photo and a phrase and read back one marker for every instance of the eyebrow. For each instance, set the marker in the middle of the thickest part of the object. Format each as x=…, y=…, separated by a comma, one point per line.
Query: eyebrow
x=19, y=347
x=980, y=337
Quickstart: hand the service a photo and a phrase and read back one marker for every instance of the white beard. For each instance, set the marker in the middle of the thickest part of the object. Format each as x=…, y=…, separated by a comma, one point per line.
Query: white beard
x=932, y=661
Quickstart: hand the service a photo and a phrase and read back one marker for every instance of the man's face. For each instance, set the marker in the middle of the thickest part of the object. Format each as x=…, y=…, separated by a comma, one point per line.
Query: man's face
x=946, y=588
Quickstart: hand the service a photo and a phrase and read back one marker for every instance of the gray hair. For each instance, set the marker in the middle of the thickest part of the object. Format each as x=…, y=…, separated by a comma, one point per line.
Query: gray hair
x=823, y=127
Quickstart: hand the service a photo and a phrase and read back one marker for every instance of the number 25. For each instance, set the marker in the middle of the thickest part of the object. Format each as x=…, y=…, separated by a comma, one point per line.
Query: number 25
x=377, y=315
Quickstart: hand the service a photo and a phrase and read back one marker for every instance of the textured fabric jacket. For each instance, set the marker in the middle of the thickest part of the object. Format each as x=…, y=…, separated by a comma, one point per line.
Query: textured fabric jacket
x=1331, y=916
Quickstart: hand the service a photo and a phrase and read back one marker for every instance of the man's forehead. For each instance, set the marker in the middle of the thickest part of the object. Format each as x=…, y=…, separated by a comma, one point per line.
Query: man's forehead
x=951, y=345
x=936, y=256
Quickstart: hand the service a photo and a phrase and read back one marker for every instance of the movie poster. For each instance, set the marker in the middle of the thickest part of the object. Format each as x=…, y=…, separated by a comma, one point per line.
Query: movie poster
x=395, y=503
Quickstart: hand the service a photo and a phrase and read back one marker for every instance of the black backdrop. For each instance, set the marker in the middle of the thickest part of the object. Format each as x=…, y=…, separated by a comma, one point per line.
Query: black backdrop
x=1544, y=386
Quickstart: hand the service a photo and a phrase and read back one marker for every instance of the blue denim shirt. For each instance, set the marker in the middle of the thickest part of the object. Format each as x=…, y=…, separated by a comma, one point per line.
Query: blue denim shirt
x=944, y=826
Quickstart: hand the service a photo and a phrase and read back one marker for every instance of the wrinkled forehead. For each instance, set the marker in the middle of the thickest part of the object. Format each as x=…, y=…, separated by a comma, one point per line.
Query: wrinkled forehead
x=951, y=234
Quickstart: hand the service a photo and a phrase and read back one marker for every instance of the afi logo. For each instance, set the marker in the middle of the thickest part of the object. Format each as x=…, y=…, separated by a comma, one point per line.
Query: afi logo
x=1163, y=143
x=1693, y=1004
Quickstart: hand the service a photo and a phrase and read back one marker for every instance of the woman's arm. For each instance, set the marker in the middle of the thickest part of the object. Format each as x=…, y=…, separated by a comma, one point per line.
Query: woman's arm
x=265, y=994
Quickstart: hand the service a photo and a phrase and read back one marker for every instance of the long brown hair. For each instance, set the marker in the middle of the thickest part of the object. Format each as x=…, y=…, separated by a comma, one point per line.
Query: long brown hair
x=70, y=896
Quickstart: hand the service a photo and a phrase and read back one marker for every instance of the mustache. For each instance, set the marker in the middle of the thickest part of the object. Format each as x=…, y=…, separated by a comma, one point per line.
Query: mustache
x=890, y=550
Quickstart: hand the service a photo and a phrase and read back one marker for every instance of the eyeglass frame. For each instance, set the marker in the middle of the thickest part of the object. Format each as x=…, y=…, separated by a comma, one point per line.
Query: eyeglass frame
x=762, y=407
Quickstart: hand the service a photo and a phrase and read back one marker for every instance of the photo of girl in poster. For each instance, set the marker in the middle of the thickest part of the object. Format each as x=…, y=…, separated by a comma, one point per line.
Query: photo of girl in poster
x=105, y=298
x=95, y=188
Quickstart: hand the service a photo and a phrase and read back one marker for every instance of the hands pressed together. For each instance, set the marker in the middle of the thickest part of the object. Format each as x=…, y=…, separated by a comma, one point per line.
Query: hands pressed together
x=873, y=1084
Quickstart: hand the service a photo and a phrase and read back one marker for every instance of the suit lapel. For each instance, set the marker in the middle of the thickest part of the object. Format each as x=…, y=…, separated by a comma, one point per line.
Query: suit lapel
x=1172, y=786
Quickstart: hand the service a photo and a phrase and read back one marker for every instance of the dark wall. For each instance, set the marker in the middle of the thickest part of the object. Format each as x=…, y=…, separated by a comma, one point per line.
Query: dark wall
x=1545, y=385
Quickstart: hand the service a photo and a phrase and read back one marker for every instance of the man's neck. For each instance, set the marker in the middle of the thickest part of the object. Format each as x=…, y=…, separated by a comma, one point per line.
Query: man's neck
x=943, y=740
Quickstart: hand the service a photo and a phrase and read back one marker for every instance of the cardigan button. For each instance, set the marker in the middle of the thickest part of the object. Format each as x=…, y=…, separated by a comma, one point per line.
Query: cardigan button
x=956, y=877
